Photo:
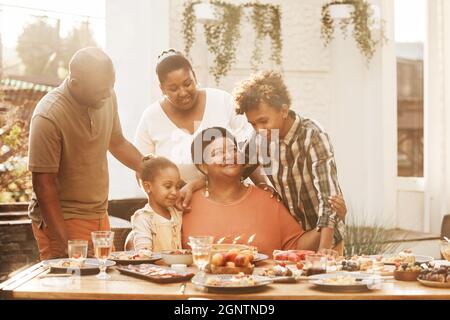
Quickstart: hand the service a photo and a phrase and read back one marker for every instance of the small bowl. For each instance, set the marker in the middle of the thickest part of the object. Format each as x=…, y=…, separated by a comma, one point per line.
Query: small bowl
x=406, y=275
x=171, y=257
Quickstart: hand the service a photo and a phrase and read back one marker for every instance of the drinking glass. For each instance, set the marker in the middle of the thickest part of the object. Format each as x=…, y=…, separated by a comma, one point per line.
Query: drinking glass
x=316, y=264
x=77, y=251
x=103, y=241
x=201, y=251
x=445, y=249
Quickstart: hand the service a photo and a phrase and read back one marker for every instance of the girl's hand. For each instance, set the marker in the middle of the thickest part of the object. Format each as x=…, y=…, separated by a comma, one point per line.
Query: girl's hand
x=338, y=205
x=270, y=189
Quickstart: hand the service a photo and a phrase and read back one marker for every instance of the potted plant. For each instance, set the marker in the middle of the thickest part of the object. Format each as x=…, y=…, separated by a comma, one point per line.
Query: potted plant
x=223, y=32
x=358, y=15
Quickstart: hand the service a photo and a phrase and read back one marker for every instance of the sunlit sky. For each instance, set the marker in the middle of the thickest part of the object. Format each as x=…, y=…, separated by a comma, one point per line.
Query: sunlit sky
x=14, y=16
x=410, y=20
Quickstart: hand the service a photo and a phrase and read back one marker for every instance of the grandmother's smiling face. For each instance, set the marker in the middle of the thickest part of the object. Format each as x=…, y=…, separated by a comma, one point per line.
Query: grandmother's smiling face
x=221, y=159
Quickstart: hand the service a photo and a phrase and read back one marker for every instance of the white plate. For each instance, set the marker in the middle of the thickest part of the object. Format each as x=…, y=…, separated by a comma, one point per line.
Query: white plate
x=438, y=263
x=114, y=255
x=294, y=277
x=419, y=258
x=200, y=280
x=434, y=284
x=364, y=283
x=90, y=265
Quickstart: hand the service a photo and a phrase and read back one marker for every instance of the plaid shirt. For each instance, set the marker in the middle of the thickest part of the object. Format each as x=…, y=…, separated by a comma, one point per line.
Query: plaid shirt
x=304, y=173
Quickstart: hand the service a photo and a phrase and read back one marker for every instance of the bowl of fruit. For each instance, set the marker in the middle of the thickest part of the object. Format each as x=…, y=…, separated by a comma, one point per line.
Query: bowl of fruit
x=407, y=272
x=232, y=262
x=179, y=256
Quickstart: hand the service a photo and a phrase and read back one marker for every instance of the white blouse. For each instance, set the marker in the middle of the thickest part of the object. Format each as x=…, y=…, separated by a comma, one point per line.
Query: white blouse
x=156, y=133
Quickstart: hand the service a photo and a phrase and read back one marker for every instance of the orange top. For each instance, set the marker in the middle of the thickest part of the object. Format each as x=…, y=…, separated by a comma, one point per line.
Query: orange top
x=255, y=213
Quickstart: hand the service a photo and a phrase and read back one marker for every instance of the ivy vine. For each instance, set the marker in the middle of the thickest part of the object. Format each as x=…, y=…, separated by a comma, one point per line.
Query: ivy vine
x=361, y=17
x=266, y=21
x=188, y=23
x=222, y=36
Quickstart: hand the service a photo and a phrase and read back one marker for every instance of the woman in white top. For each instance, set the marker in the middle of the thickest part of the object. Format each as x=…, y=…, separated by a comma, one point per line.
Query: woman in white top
x=169, y=125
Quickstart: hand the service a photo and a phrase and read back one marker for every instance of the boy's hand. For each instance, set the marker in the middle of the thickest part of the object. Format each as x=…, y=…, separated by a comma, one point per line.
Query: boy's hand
x=270, y=189
x=338, y=205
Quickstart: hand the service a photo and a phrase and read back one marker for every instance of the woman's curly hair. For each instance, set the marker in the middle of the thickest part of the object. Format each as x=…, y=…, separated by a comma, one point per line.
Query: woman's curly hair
x=267, y=86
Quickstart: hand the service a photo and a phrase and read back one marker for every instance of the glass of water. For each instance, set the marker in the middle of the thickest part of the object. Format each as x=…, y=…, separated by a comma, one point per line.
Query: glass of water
x=103, y=241
x=77, y=251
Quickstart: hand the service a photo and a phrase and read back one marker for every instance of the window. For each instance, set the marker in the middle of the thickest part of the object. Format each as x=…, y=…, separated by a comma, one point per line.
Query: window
x=410, y=30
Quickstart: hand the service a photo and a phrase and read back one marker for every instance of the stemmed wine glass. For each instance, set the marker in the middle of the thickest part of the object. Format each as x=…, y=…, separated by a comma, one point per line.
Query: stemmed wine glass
x=201, y=251
x=103, y=241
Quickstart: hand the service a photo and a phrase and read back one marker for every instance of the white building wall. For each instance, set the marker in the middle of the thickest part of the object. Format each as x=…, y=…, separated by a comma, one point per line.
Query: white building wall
x=355, y=104
x=136, y=32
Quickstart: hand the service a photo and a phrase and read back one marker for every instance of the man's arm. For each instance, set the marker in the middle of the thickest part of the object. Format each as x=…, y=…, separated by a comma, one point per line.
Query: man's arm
x=44, y=185
x=126, y=153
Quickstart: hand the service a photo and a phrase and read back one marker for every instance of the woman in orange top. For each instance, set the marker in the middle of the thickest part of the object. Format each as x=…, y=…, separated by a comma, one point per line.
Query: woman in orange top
x=228, y=208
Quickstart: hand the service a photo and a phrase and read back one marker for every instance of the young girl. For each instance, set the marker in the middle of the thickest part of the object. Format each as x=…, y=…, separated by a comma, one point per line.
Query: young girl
x=157, y=226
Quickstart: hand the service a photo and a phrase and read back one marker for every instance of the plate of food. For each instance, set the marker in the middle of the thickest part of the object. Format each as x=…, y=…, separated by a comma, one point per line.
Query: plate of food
x=405, y=256
x=436, y=277
x=407, y=272
x=281, y=274
x=155, y=273
x=290, y=256
x=134, y=257
x=346, y=282
x=366, y=264
x=231, y=283
x=86, y=267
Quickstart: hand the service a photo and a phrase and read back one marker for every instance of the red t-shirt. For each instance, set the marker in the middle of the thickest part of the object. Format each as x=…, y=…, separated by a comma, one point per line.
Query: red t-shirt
x=255, y=213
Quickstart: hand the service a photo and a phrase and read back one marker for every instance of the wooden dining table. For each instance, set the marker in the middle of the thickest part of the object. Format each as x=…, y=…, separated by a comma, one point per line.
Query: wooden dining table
x=30, y=284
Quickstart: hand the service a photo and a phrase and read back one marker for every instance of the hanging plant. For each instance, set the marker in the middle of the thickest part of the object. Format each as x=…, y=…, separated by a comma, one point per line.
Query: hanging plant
x=361, y=17
x=188, y=23
x=266, y=20
x=222, y=38
x=223, y=35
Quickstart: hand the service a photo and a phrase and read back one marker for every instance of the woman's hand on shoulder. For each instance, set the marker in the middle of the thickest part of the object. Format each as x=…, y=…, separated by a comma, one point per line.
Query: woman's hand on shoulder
x=184, y=199
x=186, y=192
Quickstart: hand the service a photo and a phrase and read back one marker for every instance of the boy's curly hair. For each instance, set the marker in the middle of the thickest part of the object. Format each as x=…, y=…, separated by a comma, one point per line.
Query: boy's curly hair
x=267, y=86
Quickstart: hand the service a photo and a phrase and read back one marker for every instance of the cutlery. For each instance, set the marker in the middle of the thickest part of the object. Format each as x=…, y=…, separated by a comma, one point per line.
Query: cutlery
x=182, y=288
